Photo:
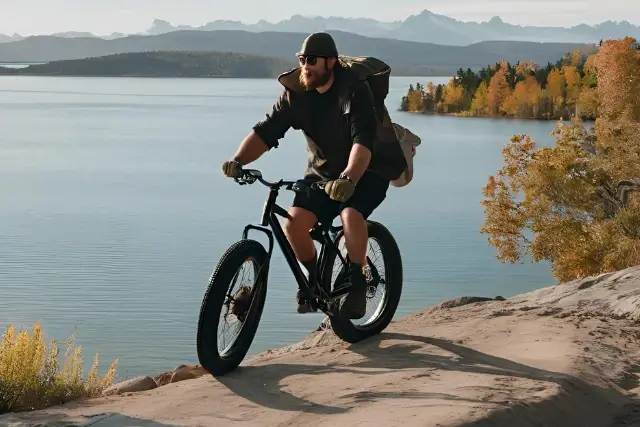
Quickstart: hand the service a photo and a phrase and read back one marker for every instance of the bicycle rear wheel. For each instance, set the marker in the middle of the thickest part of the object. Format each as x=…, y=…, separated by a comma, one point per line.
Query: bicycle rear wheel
x=244, y=304
x=385, y=282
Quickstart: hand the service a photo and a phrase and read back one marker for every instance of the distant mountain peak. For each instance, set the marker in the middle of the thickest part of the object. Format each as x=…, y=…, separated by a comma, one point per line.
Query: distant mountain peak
x=159, y=23
x=426, y=27
x=426, y=12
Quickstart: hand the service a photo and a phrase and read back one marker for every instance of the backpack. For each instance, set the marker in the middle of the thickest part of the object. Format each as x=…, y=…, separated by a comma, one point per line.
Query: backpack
x=395, y=145
x=408, y=142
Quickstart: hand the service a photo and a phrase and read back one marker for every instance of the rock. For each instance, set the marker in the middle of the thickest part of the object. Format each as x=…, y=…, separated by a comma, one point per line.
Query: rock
x=325, y=325
x=460, y=301
x=163, y=379
x=133, y=385
x=184, y=372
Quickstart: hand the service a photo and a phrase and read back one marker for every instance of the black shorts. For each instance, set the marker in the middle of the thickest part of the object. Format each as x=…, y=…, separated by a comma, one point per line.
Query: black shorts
x=368, y=195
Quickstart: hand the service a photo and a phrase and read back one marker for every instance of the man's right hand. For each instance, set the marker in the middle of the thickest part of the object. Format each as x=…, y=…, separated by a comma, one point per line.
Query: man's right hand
x=231, y=168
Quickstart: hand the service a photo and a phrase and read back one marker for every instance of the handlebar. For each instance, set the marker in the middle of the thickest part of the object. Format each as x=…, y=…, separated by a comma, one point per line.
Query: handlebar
x=249, y=176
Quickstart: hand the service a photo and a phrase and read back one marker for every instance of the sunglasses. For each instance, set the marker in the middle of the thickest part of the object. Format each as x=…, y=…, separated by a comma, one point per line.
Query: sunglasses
x=311, y=60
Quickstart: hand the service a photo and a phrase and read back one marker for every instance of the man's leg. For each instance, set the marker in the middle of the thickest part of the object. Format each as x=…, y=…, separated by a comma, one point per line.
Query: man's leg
x=296, y=228
x=369, y=194
x=303, y=215
x=355, y=234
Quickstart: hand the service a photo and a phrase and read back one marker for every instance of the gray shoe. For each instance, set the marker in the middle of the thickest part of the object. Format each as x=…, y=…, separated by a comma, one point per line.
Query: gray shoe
x=303, y=305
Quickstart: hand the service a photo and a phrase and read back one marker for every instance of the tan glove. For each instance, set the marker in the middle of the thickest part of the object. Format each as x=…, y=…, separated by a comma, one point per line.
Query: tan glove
x=230, y=168
x=340, y=189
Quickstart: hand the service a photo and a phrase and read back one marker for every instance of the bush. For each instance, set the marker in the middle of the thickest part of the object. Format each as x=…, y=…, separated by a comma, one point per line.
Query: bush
x=31, y=378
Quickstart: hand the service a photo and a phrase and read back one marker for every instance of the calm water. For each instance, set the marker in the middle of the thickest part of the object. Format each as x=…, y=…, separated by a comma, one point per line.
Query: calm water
x=18, y=65
x=113, y=210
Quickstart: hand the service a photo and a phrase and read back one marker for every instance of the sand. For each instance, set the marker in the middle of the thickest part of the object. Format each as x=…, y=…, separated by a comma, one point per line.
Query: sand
x=566, y=355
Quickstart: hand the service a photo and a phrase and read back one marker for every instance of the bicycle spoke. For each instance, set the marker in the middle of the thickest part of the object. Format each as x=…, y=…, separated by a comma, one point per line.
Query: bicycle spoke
x=236, y=299
x=375, y=294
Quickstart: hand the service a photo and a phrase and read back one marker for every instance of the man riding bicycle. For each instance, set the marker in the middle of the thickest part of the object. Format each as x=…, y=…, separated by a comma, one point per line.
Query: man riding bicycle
x=340, y=133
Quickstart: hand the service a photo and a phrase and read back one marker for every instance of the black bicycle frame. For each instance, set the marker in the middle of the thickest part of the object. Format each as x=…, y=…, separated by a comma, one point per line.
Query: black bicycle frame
x=323, y=235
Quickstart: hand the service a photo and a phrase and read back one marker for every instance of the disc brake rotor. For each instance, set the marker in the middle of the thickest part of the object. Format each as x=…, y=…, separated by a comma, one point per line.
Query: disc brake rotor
x=241, y=303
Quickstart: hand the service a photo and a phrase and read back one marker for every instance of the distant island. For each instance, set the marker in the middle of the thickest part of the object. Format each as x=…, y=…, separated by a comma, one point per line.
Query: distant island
x=162, y=64
x=563, y=89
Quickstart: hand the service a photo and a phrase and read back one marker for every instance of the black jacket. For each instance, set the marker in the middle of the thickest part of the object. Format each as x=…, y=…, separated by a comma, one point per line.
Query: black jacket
x=331, y=122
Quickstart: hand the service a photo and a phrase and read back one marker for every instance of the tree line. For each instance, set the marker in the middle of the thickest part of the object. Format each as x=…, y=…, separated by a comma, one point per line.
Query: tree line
x=524, y=90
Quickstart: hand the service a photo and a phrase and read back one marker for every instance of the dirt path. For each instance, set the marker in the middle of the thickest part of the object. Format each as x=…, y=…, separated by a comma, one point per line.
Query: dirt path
x=560, y=356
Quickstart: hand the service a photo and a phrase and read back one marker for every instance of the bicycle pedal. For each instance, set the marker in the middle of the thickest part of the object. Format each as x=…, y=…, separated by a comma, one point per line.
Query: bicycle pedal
x=332, y=308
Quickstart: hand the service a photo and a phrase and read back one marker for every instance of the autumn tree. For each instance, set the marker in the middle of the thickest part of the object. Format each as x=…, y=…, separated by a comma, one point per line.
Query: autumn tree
x=429, y=101
x=452, y=97
x=587, y=104
x=479, y=104
x=571, y=82
x=412, y=101
x=556, y=89
x=618, y=125
x=588, y=99
x=523, y=101
x=577, y=199
x=499, y=89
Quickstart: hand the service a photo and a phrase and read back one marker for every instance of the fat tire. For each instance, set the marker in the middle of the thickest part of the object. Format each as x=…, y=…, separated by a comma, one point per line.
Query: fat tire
x=344, y=328
x=212, y=305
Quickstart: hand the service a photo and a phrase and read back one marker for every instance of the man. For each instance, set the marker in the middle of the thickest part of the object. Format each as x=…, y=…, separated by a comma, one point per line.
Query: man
x=340, y=132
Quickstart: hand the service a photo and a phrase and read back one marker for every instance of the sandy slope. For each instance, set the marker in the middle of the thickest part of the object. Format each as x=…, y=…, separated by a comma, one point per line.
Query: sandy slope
x=560, y=356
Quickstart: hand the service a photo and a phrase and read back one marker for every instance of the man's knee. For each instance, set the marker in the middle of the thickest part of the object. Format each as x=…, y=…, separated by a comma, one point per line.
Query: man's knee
x=350, y=215
x=299, y=221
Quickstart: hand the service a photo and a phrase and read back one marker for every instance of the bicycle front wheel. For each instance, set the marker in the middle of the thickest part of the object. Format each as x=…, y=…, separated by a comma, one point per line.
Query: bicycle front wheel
x=242, y=305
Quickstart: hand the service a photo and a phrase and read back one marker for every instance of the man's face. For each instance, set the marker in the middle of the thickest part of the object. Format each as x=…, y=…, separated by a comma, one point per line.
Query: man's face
x=315, y=72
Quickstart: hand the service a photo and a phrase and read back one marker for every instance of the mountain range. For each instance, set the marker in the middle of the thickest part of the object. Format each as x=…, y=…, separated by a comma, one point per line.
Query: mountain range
x=406, y=58
x=423, y=27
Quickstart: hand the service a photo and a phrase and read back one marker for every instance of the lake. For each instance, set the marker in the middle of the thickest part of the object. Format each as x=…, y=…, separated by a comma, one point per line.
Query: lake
x=114, y=210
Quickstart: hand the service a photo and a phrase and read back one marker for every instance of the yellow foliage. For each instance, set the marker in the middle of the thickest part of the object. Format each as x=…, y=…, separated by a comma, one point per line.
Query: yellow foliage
x=414, y=101
x=452, y=96
x=526, y=68
x=555, y=86
x=431, y=90
x=575, y=57
x=572, y=196
x=572, y=82
x=588, y=103
x=30, y=376
x=523, y=101
x=618, y=125
x=498, y=90
x=479, y=104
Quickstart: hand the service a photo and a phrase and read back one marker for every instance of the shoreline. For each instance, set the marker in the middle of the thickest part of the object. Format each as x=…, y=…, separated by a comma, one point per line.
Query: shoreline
x=540, y=119
x=563, y=355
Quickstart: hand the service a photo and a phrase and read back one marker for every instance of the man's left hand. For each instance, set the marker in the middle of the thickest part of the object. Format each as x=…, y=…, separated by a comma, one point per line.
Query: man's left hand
x=340, y=189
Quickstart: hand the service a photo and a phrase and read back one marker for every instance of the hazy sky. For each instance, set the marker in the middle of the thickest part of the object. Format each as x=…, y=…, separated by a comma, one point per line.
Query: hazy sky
x=29, y=17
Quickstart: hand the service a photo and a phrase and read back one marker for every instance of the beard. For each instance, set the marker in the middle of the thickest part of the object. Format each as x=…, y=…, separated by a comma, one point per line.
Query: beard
x=312, y=79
